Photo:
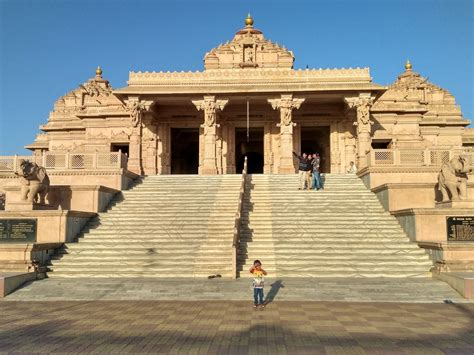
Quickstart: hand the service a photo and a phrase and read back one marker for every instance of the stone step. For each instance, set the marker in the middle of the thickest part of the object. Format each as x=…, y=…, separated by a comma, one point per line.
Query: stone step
x=214, y=236
x=166, y=273
x=143, y=260
x=158, y=221
x=156, y=266
x=291, y=275
x=157, y=244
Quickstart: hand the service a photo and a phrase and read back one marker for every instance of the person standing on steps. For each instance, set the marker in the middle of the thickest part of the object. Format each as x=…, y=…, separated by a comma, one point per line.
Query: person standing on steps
x=302, y=169
x=309, y=171
x=258, y=282
x=316, y=163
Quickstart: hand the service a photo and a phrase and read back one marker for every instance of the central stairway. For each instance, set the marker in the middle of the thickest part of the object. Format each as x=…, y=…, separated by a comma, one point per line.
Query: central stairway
x=182, y=226
x=341, y=231
x=166, y=226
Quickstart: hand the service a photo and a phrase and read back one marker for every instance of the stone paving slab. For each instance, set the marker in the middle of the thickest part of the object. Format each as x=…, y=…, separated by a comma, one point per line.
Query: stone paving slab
x=190, y=289
x=234, y=327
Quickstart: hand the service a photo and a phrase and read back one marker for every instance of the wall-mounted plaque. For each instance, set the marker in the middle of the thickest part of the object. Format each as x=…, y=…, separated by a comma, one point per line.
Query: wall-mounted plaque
x=460, y=229
x=18, y=230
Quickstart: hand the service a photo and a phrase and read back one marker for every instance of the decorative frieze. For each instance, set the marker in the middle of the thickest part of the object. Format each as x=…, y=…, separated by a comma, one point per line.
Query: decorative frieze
x=326, y=75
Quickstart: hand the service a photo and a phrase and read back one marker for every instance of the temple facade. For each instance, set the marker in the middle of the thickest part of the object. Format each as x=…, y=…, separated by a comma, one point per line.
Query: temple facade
x=250, y=101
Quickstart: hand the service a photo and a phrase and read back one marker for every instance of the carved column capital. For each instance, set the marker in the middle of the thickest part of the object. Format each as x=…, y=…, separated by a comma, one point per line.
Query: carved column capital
x=286, y=104
x=361, y=104
x=136, y=108
x=210, y=106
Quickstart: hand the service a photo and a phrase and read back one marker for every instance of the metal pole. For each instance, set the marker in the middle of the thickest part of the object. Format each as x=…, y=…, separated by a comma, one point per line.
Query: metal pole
x=248, y=120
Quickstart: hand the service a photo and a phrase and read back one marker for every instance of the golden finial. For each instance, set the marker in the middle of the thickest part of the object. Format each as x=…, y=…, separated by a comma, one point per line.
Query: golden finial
x=408, y=66
x=98, y=71
x=249, y=20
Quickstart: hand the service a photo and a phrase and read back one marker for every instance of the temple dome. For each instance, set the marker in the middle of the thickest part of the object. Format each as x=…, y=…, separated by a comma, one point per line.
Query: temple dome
x=248, y=49
x=412, y=92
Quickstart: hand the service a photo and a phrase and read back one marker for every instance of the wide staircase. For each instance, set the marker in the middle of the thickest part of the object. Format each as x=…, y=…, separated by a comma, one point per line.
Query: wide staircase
x=166, y=226
x=341, y=231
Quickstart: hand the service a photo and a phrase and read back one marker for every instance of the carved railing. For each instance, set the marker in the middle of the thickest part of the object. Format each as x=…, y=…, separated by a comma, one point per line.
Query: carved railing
x=68, y=161
x=416, y=157
x=236, y=239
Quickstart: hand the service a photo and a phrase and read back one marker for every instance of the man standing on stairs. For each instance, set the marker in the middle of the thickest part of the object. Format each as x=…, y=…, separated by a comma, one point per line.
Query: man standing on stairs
x=304, y=170
x=316, y=162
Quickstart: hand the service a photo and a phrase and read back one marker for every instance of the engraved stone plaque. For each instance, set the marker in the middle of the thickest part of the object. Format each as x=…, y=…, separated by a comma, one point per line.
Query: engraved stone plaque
x=460, y=229
x=18, y=230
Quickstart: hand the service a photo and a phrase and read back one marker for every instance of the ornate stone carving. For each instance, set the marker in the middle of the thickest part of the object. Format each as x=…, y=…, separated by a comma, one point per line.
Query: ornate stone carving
x=362, y=106
x=135, y=109
x=120, y=134
x=210, y=106
x=453, y=178
x=286, y=105
x=34, y=182
x=411, y=93
x=249, y=49
x=96, y=88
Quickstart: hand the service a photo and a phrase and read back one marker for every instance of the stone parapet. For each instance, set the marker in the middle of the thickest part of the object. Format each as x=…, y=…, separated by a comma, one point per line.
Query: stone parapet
x=119, y=179
x=428, y=224
x=53, y=228
x=85, y=198
x=400, y=196
x=428, y=227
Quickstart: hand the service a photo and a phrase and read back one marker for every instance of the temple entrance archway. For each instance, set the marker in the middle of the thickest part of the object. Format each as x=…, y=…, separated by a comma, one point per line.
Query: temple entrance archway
x=316, y=140
x=184, y=150
x=253, y=149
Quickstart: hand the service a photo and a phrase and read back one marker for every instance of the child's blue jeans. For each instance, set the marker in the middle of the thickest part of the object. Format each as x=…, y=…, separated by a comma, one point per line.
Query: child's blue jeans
x=258, y=295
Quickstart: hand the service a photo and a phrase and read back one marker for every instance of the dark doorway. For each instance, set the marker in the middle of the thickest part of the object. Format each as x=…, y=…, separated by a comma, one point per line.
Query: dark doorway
x=316, y=140
x=253, y=149
x=123, y=147
x=381, y=144
x=184, y=150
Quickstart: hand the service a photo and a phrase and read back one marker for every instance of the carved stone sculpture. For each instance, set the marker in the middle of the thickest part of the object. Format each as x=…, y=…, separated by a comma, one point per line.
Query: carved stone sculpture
x=136, y=109
x=453, y=178
x=34, y=182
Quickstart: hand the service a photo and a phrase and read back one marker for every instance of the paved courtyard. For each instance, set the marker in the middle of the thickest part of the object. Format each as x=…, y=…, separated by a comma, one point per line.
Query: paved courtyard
x=204, y=327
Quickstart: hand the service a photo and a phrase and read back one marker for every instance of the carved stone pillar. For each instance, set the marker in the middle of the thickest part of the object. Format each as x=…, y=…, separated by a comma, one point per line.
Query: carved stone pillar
x=361, y=105
x=163, y=149
x=136, y=109
x=267, y=148
x=210, y=106
x=231, y=150
x=286, y=104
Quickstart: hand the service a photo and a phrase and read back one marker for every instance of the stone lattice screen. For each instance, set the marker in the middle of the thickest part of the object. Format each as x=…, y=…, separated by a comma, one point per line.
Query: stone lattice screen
x=67, y=161
x=416, y=157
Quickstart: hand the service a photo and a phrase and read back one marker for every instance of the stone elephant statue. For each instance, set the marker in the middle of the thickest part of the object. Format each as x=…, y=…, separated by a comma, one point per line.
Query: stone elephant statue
x=34, y=180
x=453, y=179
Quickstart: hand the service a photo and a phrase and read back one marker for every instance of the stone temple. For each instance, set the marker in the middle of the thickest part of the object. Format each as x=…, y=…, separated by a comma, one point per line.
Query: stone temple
x=149, y=173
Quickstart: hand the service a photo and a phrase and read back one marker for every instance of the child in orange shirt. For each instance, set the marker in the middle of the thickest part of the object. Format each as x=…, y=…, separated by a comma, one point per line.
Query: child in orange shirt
x=257, y=271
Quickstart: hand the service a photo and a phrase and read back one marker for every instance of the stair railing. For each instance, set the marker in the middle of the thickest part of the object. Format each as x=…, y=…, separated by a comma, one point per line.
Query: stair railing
x=236, y=240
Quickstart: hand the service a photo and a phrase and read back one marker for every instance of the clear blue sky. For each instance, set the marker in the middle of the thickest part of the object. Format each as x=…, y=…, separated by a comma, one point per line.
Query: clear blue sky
x=50, y=47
